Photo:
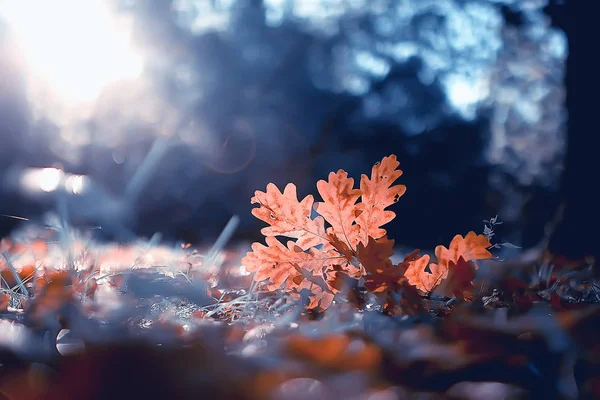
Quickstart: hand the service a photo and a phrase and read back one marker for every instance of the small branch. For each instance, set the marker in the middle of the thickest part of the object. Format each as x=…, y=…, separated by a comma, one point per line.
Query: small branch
x=15, y=274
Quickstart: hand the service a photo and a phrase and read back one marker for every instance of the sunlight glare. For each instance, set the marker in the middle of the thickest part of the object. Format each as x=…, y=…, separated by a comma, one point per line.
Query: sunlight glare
x=50, y=179
x=75, y=184
x=44, y=179
x=72, y=48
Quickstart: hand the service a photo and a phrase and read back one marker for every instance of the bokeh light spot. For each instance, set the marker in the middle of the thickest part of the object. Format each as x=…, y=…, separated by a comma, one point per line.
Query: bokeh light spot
x=49, y=179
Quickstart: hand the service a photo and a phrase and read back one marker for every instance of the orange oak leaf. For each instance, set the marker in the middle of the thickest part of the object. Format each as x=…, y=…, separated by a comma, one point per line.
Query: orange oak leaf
x=470, y=248
x=378, y=194
x=417, y=276
x=277, y=263
x=339, y=206
x=287, y=216
x=319, y=258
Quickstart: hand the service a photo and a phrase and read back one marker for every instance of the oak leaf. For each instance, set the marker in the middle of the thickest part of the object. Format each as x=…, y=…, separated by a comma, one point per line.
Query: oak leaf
x=459, y=282
x=454, y=264
x=380, y=273
x=390, y=283
x=339, y=206
x=277, y=262
x=472, y=247
x=342, y=247
x=418, y=276
x=378, y=194
x=317, y=294
x=287, y=216
x=319, y=257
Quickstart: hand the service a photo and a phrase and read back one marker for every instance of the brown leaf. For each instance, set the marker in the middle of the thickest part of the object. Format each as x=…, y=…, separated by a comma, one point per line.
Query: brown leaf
x=409, y=300
x=340, y=279
x=459, y=282
x=375, y=255
x=380, y=273
x=341, y=247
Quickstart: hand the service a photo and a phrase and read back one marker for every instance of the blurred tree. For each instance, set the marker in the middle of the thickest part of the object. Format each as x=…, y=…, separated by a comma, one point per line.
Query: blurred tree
x=577, y=232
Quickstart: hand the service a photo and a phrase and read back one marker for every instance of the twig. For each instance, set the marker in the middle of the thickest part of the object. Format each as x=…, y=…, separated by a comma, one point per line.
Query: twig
x=15, y=273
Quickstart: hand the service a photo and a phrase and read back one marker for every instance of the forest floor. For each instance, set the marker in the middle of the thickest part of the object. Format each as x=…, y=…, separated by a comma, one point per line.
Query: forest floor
x=92, y=321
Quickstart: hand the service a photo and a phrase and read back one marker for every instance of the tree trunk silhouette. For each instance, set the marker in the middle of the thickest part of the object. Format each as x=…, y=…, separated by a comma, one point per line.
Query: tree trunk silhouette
x=576, y=234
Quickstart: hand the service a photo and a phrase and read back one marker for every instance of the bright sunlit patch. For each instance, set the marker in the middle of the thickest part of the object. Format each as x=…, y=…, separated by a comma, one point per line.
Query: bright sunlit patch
x=44, y=179
x=14, y=336
x=73, y=48
x=242, y=271
x=75, y=184
x=465, y=94
x=49, y=179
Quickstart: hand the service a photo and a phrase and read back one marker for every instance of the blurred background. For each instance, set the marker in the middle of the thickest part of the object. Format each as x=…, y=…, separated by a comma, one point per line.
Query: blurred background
x=145, y=116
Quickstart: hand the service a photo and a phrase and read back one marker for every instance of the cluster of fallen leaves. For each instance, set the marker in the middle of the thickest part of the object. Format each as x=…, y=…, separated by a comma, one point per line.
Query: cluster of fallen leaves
x=353, y=249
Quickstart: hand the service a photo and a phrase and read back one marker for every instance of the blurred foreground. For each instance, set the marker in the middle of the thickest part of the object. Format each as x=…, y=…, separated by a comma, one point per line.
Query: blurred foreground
x=83, y=320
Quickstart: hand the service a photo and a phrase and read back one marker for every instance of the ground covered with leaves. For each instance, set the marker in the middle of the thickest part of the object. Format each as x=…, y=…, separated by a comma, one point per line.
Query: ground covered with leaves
x=339, y=311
